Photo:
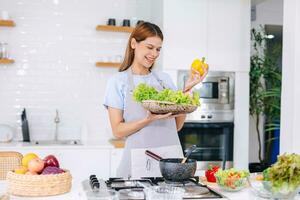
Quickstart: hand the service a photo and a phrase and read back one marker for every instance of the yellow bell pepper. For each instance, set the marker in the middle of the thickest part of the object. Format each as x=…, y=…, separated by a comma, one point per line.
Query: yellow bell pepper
x=199, y=66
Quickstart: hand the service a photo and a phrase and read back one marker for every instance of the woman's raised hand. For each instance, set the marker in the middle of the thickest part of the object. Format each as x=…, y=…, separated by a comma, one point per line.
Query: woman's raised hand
x=194, y=78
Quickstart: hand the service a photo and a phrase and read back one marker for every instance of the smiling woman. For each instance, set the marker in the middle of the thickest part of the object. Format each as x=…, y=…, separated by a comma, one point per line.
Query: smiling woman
x=128, y=118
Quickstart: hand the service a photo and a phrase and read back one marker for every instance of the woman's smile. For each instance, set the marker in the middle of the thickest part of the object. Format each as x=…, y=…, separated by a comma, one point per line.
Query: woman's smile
x=149, y=59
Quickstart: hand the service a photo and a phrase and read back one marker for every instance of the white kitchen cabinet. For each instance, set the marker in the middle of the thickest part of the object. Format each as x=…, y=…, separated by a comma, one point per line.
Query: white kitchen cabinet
x=184, y=28
x=228, y=35
x=82, y=162
x=217, y=30
x=116, y=156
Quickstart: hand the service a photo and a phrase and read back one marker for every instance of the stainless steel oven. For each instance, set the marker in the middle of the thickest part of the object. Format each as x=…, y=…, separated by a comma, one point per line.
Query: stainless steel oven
x=214, y=142
x=211, y=126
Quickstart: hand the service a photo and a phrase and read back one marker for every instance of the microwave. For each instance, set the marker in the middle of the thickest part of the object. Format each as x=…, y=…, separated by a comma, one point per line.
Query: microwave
x=216, y=94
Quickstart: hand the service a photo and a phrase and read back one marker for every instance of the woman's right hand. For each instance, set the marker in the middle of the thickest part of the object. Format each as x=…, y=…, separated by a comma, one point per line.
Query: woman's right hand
x=153, y=117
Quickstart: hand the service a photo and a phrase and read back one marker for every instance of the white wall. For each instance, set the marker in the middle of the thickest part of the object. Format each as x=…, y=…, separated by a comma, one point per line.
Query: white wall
x=55, y=47
x=290, y=96
x=267, y=12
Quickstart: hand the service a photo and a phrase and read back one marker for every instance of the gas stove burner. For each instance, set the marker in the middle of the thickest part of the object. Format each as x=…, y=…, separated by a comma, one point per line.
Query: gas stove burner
x=176, y=183
x=119, y=184
x=134, y=193
x=194, y=190
x=133, y=189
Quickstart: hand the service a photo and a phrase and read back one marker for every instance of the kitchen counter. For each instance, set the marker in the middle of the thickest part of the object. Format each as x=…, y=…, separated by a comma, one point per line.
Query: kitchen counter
x=89, y=144
x=77, y=193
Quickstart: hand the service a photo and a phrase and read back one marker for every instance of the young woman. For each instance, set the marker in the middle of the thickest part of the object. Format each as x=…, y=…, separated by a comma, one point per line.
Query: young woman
x=129, y=119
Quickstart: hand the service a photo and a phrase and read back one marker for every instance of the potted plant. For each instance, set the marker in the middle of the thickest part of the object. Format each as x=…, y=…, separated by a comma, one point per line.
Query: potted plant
x=265, y=91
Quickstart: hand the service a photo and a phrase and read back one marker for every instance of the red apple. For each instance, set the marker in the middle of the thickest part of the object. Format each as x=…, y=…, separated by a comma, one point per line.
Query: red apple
x=51, y=161
x=36, y=165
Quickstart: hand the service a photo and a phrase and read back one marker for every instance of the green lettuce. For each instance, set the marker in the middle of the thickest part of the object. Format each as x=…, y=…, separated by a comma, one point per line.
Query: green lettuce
x=145, y=92
x=285, y=173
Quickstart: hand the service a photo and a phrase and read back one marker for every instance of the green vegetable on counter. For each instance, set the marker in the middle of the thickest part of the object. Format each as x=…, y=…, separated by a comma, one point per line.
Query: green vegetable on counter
x=285, y=173
x=145, y=92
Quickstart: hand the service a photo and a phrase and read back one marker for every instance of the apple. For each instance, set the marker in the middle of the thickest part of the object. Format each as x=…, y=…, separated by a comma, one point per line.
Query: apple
x=36, y=165
x=31, y=173
x=52, y=170
x=51, y=161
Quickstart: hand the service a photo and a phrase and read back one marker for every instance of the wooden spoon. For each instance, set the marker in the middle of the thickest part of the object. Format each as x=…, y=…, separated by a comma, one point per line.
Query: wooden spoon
x=188, y=153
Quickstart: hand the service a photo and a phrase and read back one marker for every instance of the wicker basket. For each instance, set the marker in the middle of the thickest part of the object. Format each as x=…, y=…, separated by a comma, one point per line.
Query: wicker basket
x=9, y=160
x=162, y=107
x=39, y=185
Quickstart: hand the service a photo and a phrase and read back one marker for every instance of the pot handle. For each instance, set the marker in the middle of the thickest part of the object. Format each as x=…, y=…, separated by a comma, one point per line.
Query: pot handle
x=153, y=155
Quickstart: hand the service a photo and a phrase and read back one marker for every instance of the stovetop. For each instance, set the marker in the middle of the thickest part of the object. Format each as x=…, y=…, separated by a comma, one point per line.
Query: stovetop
x=133, y=189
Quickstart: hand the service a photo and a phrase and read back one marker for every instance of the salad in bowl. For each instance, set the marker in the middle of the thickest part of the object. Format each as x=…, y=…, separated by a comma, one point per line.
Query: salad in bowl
x=280, y=181
x=232, y=179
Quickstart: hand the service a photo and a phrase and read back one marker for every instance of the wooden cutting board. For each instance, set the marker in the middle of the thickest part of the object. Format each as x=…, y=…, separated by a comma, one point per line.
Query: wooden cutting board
x=203, y=180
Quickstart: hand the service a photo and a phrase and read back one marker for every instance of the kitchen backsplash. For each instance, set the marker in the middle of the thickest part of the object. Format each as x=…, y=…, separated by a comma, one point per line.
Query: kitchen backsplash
x=55, y=47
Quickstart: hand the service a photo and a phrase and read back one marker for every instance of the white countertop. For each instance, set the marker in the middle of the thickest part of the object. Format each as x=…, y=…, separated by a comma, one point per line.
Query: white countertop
x=77, y=193
x=89, y=144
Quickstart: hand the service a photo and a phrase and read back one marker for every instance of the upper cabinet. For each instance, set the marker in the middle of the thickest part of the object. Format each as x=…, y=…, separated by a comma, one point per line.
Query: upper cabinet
x=184, y=28
x=228, y=35
x=217, y=30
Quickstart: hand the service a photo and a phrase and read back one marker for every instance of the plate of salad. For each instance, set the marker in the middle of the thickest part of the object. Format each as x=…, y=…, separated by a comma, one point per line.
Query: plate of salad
x=232, y=179
x=165, y=101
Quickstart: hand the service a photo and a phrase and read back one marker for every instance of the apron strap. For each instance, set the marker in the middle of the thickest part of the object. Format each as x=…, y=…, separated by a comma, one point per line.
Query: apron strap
x=131, y=84
x=130, y=81
x=161, y=83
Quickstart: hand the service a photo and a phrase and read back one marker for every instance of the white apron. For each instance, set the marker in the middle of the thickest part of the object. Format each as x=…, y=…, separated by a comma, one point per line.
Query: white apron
x=160, y=136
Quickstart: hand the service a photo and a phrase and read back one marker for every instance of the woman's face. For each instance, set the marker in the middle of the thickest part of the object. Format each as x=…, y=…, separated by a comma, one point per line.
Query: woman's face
x=146, y=51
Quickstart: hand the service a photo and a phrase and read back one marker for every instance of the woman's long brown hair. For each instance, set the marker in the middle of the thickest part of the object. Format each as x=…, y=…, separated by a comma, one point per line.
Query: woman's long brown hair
x=140, y=33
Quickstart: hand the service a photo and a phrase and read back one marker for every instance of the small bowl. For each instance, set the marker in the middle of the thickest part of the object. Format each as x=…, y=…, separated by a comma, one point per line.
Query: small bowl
x=231, y=184
x=257, y=186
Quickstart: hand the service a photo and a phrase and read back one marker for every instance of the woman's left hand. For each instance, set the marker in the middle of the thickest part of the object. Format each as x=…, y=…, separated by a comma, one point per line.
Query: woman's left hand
x=194, y=78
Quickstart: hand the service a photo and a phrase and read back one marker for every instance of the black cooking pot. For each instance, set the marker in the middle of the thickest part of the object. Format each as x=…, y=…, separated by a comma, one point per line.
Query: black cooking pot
x=172, y=169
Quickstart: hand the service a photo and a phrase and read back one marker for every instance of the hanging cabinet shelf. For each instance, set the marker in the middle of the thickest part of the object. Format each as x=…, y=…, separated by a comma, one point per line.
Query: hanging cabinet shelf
x=108, y=64
x=9, y=23
x=114, y=28
x=6, y=61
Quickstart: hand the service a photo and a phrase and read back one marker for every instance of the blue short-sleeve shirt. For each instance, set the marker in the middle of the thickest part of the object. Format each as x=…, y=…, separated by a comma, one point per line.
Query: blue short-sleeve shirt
x=117, y=87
